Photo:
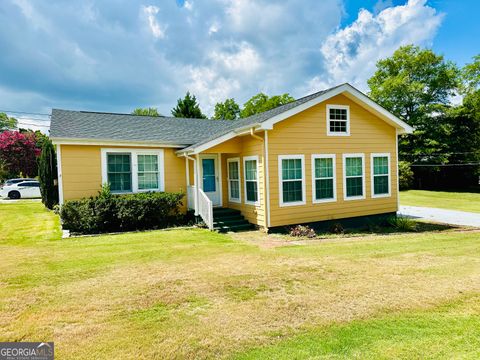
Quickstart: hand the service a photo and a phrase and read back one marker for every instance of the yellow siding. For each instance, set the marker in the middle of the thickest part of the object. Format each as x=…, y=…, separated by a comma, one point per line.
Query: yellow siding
x=247, y=146
x=230, y=146
x=305, y=133
x=82, y=171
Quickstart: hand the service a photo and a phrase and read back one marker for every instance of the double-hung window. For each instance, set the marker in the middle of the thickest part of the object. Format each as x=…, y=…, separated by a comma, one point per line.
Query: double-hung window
x=292, y=179
x=323, y=176
x=234, y=180
x=353, y=176
x=147, y=172
x=338, y=120
x=380, y=164
x=132, y=170
x=250, y=167
x=119, y=172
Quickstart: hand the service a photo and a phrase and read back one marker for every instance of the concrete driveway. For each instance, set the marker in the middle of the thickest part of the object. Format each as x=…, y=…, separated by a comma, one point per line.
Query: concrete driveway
x=453, y=217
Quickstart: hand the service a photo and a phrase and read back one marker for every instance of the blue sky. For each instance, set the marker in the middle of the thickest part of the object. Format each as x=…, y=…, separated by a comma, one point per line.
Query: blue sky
x=114, y=56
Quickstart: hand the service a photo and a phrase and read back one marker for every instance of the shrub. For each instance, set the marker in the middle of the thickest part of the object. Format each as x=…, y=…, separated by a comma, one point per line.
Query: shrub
x=47, y=173
x=402, y=223
x=302, y=231
x=113, y=213
x=337, y=228
x=405, y=175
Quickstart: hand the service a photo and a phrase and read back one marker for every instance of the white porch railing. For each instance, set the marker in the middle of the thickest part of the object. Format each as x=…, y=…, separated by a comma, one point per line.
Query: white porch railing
x=191, y=196
x=205, y=208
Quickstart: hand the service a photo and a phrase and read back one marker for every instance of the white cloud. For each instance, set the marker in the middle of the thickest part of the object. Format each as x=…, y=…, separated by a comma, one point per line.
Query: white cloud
x=245, y=59
x=157, y=31
x=188, y=5
x=214, y=27
x=216, y=49
x=210, y=87
x=351, y=53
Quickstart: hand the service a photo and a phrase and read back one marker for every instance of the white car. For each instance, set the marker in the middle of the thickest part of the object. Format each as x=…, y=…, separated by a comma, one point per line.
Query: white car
x=25, y=189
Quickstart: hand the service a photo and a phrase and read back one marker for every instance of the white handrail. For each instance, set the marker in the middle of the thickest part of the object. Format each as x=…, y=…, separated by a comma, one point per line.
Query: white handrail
x=205, y=206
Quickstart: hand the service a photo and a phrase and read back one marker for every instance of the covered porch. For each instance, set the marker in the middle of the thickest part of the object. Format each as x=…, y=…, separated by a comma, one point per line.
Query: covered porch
x=228, y=174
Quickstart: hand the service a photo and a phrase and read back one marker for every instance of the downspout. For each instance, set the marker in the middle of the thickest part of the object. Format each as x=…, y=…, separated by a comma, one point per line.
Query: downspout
x=265, y=175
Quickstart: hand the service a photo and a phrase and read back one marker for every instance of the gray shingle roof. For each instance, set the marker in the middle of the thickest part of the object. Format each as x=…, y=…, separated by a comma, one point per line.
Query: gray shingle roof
x=83, y=125
x=132, y=128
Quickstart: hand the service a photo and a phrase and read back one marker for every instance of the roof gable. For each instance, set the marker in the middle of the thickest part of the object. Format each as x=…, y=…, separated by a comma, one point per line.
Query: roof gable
x=193, y=135
x=266, y=120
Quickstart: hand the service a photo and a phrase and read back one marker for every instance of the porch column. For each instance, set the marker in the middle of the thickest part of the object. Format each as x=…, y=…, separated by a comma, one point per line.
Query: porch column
x=196, y=166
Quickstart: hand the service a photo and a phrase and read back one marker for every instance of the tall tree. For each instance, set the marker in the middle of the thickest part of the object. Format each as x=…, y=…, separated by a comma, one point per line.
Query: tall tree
x=471, y=76
x=151, y=111
x=413, y=82
x=7, y=123
x=188, y=108
x=19, y=153
x=416, y=85
x=261, y=102
x=227, y=110
x=47, y=173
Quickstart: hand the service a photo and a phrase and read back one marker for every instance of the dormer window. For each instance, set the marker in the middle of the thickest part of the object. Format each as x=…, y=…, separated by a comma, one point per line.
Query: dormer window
x=338, y=120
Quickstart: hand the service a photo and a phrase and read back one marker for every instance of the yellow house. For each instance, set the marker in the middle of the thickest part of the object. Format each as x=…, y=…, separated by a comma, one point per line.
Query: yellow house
x=330, y=155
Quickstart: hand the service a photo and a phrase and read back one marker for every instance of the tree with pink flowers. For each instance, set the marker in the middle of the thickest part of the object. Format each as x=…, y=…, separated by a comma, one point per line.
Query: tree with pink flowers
x=19, y=153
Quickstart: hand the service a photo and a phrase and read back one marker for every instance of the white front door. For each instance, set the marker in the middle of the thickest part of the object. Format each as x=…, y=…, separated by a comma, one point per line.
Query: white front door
x=209, y=178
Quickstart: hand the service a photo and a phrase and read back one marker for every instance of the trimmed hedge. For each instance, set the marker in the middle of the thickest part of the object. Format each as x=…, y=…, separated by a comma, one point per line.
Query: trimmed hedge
x=116, y=213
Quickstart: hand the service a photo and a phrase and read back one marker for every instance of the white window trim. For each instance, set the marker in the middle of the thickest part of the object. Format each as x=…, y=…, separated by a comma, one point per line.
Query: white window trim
x=352, y=155
x=314, y=189
x=245, y=159
x=230, y=199
x=372, y=156
x=134, y=167
x=280, y=180
x=327, y=116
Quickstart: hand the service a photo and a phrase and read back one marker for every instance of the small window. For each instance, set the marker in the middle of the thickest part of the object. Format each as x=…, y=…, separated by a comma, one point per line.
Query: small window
x=380, y=164
x=147, y=172
x=324, y=187
x=292, y=179
x=250, y=164
x=338, y=120
x=234, y=180
x=354, y=181
x=119, y=172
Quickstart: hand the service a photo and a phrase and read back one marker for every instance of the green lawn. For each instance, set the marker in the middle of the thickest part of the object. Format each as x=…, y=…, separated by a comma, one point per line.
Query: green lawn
x=463, y=201
x=197, y=294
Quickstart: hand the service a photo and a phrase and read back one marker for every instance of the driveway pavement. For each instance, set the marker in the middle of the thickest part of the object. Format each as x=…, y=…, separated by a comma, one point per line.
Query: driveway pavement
x=452, y=217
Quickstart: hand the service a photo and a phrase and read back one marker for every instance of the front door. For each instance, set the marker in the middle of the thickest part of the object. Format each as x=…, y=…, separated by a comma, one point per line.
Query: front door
x=210, y=180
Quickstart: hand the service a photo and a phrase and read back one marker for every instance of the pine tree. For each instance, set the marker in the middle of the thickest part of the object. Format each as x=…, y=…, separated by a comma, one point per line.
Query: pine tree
x=188, y=108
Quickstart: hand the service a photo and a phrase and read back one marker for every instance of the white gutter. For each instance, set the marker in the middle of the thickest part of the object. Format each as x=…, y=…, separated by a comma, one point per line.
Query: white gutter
x=110, y=142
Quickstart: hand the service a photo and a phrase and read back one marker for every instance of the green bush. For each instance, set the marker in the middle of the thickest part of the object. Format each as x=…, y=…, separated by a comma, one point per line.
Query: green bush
x=47, y=174
x=402, y=223
x=405, y=175
x=114, y=213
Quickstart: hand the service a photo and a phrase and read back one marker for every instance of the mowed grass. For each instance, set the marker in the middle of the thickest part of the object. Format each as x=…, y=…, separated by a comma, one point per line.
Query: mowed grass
x=197, y=294
x=463, y=201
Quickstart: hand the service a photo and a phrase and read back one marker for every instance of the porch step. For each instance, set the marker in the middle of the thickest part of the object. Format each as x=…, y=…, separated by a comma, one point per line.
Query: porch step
x=225, y=220
x=221, y=211
x=234, y=228
x=230, y=222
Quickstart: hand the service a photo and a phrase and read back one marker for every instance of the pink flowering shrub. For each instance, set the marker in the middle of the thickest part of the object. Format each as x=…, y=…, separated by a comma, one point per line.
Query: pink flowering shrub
x=19, y=153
